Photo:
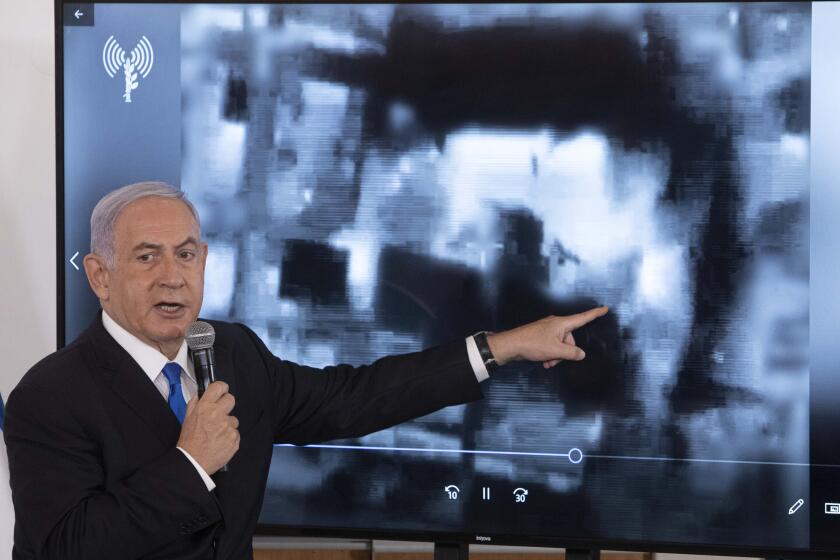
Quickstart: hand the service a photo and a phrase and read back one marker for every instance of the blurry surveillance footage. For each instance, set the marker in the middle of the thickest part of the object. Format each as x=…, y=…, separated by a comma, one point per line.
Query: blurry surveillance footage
x=376, y=179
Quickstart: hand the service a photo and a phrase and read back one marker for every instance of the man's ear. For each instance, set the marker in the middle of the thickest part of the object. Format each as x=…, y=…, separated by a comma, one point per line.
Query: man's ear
x=98, y=275
x=203, y=253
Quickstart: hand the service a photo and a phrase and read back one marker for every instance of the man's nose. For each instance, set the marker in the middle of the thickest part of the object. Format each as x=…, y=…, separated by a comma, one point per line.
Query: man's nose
x=171, y=276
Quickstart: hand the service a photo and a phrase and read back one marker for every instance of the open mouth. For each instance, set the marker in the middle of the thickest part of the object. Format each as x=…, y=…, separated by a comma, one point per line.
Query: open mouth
x=169, y=308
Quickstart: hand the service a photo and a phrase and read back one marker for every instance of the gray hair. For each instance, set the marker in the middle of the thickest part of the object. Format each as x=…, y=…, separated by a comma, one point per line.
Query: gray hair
x=110, y=206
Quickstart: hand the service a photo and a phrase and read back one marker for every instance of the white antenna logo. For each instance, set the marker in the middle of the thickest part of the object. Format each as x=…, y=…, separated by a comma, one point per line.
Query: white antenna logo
x=138, y=63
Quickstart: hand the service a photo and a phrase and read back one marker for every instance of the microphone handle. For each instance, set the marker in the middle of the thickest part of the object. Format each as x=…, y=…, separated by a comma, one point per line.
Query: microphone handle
x=204, y=362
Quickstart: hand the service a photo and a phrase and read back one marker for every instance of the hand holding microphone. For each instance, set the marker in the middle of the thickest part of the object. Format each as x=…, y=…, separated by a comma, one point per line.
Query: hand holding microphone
x=209, y=433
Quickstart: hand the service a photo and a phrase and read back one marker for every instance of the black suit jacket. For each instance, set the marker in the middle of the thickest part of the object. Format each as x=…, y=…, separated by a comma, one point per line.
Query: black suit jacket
x=94, y=468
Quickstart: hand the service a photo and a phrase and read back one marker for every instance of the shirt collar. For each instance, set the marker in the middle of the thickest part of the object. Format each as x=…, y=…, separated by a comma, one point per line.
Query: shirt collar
x=150, y=360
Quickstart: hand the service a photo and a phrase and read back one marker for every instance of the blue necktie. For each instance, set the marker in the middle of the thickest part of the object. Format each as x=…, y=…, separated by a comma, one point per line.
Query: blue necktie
x=172, y=371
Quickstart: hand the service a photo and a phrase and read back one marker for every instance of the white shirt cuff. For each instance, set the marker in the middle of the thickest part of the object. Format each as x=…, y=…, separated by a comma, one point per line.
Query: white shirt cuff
x=208, y=482
x=476, y=362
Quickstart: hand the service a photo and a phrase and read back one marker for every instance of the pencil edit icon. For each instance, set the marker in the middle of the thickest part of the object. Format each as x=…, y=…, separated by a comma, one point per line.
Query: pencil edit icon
x=796, y=505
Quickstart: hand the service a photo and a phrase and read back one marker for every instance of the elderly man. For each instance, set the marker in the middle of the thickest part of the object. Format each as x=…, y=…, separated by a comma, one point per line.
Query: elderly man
x=111, y=453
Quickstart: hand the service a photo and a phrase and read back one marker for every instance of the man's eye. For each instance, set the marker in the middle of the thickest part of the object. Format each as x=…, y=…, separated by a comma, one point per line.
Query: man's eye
x=145, y=258
x=187, y=255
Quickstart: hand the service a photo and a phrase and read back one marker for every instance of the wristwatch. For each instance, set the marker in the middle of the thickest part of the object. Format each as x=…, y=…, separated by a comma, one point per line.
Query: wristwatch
x=487, y=357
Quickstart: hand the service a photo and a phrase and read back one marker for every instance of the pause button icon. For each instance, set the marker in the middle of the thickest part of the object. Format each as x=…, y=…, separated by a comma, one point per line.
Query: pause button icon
x=485, y=492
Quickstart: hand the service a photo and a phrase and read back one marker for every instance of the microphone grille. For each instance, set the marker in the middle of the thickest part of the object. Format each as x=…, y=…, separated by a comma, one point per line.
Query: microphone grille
x=200, y=336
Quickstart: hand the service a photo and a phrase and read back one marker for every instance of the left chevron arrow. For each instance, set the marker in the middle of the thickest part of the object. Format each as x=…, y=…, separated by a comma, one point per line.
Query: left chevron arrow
x=76, y=254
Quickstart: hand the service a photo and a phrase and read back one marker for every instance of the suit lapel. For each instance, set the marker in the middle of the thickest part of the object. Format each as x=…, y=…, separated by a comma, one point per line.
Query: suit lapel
x=224, y=372
x=132, y=385
x=224, y=367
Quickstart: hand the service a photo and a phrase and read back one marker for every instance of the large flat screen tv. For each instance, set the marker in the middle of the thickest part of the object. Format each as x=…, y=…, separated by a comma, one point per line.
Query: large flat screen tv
x=379, y=178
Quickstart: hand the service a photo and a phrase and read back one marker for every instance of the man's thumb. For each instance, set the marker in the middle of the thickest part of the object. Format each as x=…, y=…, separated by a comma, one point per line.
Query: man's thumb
x=191, y=405
x=571, y=352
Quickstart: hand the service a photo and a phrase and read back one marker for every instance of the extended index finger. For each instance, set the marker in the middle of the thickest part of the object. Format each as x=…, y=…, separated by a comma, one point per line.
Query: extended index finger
x=579, y=319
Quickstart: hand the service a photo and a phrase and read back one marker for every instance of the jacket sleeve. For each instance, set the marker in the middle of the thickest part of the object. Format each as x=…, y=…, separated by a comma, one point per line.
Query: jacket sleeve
x=313, y=405
x=63, y=506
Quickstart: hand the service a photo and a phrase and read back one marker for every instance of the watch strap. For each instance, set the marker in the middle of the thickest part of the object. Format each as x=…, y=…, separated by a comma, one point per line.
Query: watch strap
x=483, y=346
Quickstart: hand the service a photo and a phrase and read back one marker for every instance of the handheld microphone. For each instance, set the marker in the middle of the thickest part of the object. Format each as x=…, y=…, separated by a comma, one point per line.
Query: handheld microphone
x=200, y=338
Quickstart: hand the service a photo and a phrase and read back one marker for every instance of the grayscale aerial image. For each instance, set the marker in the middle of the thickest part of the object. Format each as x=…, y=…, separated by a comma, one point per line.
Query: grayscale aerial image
x=377, y=179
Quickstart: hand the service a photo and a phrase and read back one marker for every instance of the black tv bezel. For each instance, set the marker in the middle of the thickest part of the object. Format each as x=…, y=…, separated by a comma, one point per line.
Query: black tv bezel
x=375, y=533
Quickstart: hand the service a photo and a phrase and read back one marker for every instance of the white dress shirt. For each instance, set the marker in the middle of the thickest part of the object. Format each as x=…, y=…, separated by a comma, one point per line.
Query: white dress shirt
x=479, y=369
x=151, y=361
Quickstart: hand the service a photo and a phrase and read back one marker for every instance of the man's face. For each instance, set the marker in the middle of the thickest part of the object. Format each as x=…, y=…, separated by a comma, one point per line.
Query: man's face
x=156, y=284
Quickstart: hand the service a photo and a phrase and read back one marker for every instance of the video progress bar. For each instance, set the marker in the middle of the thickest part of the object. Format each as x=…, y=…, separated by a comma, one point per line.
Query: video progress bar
x=574, y=455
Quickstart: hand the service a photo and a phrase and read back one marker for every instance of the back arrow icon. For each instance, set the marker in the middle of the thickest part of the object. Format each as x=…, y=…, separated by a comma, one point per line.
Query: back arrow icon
x=78, y=14
x=71, y=260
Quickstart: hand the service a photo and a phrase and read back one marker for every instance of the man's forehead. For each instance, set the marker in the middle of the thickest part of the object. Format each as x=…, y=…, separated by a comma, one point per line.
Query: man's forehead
x=157, y=219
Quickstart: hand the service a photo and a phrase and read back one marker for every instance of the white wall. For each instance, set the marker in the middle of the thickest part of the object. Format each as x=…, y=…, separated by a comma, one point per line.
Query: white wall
x=27, y=187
